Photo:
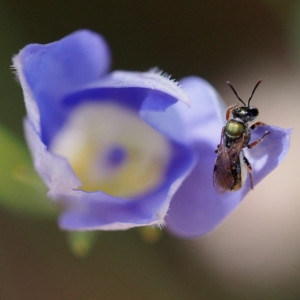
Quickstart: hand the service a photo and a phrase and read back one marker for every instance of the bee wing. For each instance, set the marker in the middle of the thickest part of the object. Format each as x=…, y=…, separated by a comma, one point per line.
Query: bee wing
x=235, y=150
x=222, y=178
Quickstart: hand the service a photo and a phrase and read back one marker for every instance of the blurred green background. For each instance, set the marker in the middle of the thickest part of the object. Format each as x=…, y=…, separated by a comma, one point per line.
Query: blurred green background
x=255, y=254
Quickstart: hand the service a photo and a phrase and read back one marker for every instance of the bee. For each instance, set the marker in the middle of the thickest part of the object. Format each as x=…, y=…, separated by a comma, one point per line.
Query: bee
x=231, y=166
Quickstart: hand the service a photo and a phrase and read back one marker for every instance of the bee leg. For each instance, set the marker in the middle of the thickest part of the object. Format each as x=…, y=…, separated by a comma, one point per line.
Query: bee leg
x=216, y=151
x=229, y=110
x=258, y=141
x=218, y=146
x=257, y=124
x=249, y=167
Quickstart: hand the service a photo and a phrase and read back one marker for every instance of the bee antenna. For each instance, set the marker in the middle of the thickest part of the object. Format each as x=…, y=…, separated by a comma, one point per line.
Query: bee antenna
x=254, y=91
x=231, y=86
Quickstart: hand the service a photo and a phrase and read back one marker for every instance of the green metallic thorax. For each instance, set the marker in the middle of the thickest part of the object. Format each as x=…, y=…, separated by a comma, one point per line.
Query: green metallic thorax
x=234, y=130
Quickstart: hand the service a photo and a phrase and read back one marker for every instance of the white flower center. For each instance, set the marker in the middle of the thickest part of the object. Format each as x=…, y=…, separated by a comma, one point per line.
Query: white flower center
x=111, y=149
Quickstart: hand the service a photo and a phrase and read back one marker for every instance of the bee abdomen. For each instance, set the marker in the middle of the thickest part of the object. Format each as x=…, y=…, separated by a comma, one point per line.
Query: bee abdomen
x=237, y=182
x=239, y=173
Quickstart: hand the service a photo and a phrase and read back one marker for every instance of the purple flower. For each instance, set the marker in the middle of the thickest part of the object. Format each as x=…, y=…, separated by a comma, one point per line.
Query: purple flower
x=125, y=149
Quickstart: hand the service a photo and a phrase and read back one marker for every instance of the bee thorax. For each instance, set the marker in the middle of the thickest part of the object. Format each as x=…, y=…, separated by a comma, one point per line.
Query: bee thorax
x=234, y=129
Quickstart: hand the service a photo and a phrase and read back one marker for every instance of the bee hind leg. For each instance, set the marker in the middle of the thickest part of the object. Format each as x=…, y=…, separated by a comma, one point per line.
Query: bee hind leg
x=249, y=167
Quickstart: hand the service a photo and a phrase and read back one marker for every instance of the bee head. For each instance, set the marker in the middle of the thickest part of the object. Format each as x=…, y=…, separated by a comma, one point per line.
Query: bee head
x=245, y=113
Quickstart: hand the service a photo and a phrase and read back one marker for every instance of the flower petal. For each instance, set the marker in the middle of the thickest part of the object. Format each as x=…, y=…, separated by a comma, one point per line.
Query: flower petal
x=94, y=211
x=47, y=72
x=152, y=80
x=197, y=209
x=202, y=120
x=53, y=169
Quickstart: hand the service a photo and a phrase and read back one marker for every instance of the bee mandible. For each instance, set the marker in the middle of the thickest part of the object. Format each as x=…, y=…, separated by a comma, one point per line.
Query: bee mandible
x=231, y=166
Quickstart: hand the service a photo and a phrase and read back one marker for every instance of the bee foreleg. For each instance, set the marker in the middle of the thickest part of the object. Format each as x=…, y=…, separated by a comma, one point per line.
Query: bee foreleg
x=258, y=141
x=229, y=110
x=249, y=167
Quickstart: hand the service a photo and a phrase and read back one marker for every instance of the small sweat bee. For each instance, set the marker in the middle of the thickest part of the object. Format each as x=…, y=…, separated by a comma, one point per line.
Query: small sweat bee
x=231, y=166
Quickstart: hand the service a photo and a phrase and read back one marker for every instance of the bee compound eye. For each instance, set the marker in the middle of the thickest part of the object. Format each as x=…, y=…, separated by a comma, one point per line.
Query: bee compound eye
x=253, y=112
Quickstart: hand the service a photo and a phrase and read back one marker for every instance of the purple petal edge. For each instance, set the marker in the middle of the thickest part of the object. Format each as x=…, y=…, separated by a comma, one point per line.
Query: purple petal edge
x=197, y=209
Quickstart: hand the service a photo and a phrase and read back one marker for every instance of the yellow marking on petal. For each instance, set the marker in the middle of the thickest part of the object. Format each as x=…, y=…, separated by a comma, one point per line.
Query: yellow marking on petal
x=89, y=136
